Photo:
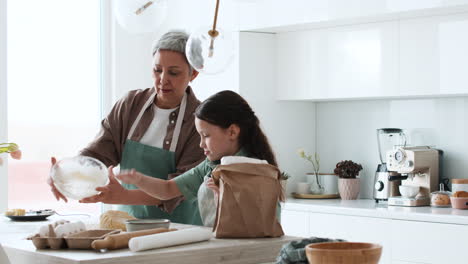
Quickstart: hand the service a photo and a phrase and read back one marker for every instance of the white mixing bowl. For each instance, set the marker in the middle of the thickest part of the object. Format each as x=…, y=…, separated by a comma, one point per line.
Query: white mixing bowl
x=78, y=177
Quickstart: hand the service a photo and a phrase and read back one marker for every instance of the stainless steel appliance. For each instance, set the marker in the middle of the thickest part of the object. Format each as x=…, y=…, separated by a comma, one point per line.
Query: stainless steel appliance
x=421, y=166
x=385, y=182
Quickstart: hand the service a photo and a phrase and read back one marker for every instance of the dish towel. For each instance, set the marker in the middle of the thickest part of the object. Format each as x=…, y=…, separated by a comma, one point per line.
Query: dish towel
x=294, y=251
x=179, y=237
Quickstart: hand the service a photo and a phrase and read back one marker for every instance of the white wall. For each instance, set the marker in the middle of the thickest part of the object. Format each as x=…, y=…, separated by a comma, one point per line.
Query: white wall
x=347, y=130
x=336, y=130
x=252, y=74
x=132, y=58
x=288, y=125
x=3, y=106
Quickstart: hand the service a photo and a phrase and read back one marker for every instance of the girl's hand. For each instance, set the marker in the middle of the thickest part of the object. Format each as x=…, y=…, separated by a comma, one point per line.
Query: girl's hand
x=210, y=184
x=130, y=177
x=58, y=195
x=112, y=193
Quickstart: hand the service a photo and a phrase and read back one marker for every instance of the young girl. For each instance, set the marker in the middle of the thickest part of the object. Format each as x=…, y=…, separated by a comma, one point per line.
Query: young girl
x=227, y=127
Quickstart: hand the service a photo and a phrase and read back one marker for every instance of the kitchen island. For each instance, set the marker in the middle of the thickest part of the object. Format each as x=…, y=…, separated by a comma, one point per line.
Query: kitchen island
x=21, y=251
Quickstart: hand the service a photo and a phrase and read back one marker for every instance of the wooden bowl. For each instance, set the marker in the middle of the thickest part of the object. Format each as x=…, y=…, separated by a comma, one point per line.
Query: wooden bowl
x=343, y=253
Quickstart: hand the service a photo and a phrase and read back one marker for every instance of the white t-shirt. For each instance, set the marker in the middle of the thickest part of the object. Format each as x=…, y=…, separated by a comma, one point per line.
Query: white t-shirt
x=156, y=132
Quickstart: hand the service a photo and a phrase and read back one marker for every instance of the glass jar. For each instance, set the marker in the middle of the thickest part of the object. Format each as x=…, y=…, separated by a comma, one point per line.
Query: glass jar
x=459, y=185
x=440, y=198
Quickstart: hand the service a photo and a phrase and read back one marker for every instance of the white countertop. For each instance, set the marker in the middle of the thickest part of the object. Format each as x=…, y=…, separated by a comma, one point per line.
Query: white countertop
x=14, y=245
x=369, y=208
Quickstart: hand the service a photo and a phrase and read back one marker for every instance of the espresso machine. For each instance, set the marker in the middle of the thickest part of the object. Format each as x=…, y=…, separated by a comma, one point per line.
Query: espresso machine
x=386, y=182
x=420, y=166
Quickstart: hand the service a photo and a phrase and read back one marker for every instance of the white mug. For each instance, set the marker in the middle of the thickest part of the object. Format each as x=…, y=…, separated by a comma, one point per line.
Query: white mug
x=330, y=183
x=303, y=187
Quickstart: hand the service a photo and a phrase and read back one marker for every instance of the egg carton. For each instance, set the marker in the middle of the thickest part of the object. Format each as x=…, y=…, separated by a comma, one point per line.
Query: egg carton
x=78, y=240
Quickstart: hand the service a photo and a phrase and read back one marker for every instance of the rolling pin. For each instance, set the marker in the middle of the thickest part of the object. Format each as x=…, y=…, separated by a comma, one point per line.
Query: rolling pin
x=118, y=241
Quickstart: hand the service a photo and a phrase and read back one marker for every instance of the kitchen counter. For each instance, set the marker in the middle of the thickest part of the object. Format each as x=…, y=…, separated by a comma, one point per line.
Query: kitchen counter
x=15, y=246
x=368, y=208
x=408, y=234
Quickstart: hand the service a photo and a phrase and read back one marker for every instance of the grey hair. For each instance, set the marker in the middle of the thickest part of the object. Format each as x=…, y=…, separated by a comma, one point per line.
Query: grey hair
x=173, y=40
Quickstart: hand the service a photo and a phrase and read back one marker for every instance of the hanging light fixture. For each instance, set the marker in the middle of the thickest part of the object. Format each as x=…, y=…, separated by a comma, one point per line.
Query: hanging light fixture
x=140, y=16
x=210, y=50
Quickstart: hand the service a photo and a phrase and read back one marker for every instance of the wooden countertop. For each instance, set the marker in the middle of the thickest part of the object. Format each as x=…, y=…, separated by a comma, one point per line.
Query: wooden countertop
x=258, y=250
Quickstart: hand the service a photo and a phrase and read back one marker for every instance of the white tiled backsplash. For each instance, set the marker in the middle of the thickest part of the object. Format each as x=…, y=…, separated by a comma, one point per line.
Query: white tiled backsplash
x=347, y=130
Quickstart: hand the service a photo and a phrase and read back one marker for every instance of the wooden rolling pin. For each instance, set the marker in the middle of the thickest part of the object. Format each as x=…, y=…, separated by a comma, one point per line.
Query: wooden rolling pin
x=118, y=241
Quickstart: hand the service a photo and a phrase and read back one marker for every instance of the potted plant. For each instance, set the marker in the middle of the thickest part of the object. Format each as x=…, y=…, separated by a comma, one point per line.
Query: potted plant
x=315, y=161
x=283, y=180
x=348, y=183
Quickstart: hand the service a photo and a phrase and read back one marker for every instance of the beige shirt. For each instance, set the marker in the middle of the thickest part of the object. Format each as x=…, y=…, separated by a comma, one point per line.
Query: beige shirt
x=108, y=145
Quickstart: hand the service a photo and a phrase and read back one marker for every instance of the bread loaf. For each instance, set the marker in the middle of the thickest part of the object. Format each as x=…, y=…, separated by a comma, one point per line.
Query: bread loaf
x=114, y=219
x=15, y=212
x=461, y=194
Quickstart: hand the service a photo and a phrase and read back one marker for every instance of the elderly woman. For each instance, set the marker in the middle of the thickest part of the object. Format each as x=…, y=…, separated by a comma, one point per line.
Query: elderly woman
x=152, y=131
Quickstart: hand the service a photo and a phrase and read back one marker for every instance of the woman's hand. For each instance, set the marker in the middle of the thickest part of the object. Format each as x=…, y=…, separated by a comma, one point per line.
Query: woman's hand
x=130, y=177
x=210, y=184
x=58, y=195
x=112, y=193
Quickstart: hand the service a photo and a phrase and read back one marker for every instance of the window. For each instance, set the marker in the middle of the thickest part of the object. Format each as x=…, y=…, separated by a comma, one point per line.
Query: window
x=54, y=93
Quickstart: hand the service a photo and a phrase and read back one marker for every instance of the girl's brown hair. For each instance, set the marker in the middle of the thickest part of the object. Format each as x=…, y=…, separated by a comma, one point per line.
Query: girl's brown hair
x=226, y=108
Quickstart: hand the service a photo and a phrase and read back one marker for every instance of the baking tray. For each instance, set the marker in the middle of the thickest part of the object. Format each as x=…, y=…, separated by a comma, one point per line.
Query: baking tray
x=315, y=196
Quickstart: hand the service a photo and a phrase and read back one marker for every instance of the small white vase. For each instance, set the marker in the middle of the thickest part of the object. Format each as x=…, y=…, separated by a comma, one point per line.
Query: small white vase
x=349, y=188
x=328, y=182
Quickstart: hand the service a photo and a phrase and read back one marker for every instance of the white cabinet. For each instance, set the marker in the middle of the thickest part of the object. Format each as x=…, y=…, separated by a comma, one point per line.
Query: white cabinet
x=404, y=242
x=353, y=228
x=434, y=55
x=350, y=228
x=276, y=15
x=423, y=242
x=418, y=57
x=358, y=61
x=295, y=223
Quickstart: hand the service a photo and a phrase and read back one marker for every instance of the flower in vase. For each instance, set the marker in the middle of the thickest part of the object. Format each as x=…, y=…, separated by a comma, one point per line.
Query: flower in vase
x=315, y=161
x=11, y=148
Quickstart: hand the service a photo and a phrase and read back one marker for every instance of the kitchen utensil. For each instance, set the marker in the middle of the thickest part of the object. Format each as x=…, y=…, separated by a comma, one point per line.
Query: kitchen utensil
x=142, y=224
x=118, y=241
x=386, y=183
x=179, y=237
x=78, y=177
x=83, y=240
x=421, y=164
x=343, y=253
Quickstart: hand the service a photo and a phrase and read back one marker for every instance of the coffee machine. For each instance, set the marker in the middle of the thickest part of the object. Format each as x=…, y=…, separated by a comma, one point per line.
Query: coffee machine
x=421, y=167
x=386, y=182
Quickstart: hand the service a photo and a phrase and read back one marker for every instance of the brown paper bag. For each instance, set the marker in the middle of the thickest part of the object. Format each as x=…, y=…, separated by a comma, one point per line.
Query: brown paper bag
x=249, y=194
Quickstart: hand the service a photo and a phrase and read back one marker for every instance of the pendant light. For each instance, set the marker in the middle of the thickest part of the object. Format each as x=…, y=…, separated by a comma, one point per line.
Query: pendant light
x=210, y=50
x=140, y=16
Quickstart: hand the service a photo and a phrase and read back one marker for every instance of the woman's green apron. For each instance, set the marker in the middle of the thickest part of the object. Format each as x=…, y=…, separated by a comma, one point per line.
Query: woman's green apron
x=158, y=163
